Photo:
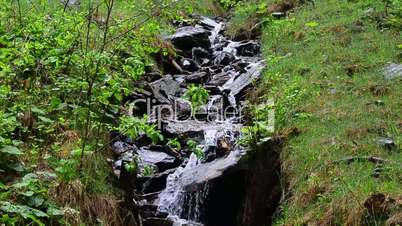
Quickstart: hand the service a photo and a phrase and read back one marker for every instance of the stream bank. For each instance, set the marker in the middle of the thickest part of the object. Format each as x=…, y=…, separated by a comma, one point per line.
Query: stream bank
x=228, y=184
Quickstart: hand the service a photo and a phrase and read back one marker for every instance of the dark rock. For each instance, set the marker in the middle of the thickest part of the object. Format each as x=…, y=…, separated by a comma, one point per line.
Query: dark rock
x=208, y=23
x=244, y=80
x=250, y=48
x=165, y=149
x=189, y=65
x=224, y=58
x=155, y=221
x=219, y=79
x=120, y=147
x=200, y=55
x=165, y=89
x=182, y=109
x=387, y=143
x=152, y=76
x=393, y=71
x=198, y=77
x=162, y=160
x=154, y=183
x=148, y=210
x=188, y=37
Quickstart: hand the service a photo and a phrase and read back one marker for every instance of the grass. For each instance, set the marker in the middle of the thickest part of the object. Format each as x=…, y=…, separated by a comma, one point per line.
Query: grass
x=325, y=71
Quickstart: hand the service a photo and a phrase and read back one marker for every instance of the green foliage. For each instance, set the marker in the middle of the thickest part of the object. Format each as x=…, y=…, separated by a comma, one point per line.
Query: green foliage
x=148, y=171
x=131, y=167
x=64, y=72
x=135, y=127
x=175, y=144
x=193, y=147
x=197, y=95
x=66, y=169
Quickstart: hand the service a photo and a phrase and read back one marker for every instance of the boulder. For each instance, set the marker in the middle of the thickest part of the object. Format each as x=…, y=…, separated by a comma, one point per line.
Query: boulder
x=224, y=58
x=161, y=160
x=197, y=77
x=154, y=183
x=219, y=79
x=188, y=37
x=155, y=221
x=200, y=55
x=189, y=65
x=182, y=109
x=121, y=147
x=165, y=89
x=249, y=48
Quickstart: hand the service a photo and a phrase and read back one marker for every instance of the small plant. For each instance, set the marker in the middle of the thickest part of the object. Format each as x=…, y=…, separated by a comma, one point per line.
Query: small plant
x=193, y=147
x=135, y=127
x=132, y=166
x=148, y=171
x=174, y=144
x=197, y=95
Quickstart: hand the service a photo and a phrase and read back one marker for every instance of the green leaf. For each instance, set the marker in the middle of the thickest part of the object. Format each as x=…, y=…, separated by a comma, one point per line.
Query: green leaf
x=312, y=24
x=37, y=111
x=52, y=211
x=11, y=150
x=45, y=120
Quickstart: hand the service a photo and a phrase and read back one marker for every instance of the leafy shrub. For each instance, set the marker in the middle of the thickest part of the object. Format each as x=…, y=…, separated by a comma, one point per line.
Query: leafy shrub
x=174, y=143
x=197, y=95
x=135, y=127
x=193, y=147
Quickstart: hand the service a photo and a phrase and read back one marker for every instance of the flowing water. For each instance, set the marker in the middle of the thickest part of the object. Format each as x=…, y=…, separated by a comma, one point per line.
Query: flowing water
x=228, y=69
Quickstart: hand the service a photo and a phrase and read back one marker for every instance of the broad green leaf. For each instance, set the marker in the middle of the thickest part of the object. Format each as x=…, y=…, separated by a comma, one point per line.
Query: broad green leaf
x=10, y=150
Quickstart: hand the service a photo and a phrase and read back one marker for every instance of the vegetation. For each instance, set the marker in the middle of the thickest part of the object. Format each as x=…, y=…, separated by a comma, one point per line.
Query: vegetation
x=332, y=105
x=197, y=95
x=64, y=71
x=193, y=147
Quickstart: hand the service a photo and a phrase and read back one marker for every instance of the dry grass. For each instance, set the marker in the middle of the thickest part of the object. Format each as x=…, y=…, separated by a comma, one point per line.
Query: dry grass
x=92, y=208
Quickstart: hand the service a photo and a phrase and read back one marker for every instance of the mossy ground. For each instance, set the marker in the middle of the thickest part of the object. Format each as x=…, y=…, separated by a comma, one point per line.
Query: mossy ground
x=325, y=67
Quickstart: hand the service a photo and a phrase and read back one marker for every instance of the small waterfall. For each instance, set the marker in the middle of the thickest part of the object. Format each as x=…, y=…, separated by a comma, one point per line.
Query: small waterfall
x=183, y=185
x=174, y=198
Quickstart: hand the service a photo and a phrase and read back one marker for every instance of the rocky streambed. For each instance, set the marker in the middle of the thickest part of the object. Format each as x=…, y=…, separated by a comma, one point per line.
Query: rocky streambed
x=175, y=186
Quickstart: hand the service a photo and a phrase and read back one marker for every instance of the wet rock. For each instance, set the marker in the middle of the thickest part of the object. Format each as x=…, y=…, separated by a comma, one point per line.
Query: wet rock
x=149, y=210
x=120, y=147
x=182, y=109
x=219, y=79
x=387, y=143
x=224, y=58
x=250, y=48
x=155, y=183
x=155, y=221
x=189, y=65
x=165, y=149
x=208, y=23
x=152, y=76
x=193, y=128
x=162, y=160
x=188, y=37
x=393, y=71
x=198, y=77
x=200, y=55
x=165, y=89
x=245, y=79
